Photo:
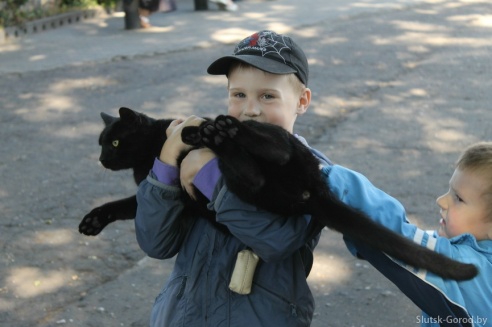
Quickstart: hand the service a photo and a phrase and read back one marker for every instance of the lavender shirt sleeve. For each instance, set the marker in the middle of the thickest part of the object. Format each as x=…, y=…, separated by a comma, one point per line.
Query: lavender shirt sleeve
x=165, y=173
x=206, y=179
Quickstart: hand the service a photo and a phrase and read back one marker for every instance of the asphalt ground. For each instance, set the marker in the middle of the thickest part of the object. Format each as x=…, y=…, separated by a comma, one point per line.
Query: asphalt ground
x=399, y=89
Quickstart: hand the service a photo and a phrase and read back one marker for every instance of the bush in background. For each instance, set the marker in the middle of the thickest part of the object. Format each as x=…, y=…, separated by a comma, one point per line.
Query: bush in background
x=18, y=12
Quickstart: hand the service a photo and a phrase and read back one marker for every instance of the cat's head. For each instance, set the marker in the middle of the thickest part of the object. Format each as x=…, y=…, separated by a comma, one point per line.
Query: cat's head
x=127, y=140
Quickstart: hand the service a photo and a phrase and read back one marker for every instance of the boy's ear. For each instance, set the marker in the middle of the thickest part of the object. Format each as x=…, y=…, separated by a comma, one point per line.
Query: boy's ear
x=304, y=101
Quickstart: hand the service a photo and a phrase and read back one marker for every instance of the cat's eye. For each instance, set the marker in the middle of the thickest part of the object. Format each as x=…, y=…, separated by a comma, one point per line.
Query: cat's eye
x=116, y=143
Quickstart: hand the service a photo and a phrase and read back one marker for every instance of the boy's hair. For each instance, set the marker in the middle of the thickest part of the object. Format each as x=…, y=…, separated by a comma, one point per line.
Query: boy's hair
x=478, y=158
x=297, y=85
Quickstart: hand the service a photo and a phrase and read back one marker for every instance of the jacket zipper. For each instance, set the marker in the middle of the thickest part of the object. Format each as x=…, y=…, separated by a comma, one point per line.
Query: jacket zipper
x=293, y=307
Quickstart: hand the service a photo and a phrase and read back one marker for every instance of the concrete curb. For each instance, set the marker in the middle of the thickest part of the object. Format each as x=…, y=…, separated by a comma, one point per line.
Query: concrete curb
x=11, y=33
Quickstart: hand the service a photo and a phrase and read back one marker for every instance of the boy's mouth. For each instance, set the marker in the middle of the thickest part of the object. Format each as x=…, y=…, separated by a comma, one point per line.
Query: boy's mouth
x=442, y=222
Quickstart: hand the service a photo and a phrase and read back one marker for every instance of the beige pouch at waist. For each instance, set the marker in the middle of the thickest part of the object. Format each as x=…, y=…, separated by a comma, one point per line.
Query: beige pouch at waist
x=244, y=270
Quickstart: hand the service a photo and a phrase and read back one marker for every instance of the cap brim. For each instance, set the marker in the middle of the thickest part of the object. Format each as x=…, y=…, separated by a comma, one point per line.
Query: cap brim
x=221, y=66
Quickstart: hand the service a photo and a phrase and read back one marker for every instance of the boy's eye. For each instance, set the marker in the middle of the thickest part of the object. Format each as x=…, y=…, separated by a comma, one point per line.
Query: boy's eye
x=239, y=95
x=268, y=96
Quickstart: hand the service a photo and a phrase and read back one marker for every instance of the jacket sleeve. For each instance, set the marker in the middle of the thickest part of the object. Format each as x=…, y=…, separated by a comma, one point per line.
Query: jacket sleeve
x=357, y=191
x=272, y=237
x=160, y=223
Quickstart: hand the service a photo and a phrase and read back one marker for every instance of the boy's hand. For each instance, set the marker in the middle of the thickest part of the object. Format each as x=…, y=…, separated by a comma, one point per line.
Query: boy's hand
x=174, y=145
x=190, y=166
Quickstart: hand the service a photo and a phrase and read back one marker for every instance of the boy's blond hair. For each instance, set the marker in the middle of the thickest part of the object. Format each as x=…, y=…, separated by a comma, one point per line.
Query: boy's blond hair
x=293, y=79
x=478, y=158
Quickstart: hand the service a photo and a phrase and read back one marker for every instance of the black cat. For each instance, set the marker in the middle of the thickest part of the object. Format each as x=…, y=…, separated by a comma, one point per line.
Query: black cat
x=265, y=165
x=131, y=141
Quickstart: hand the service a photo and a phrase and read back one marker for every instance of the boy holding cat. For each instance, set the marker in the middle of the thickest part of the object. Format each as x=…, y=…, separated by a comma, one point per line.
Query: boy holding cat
x=464, y=234
x=267, y=82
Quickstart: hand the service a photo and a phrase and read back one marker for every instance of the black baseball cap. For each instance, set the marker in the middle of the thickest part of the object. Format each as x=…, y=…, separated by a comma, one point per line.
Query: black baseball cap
x=268, y=51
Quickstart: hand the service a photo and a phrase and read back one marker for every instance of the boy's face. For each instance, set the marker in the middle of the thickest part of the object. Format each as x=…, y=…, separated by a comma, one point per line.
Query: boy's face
x=464, y=208
x=265, y=97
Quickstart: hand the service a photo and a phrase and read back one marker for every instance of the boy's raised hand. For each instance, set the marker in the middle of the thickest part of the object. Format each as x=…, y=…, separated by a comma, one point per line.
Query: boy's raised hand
x=191, y=165
x=173, y=146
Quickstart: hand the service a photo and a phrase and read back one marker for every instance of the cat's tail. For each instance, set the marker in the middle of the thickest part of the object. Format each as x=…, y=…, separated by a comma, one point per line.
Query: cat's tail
x=358, y=226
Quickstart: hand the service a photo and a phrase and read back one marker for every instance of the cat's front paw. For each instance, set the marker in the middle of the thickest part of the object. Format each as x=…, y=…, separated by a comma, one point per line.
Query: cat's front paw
x=94, y=222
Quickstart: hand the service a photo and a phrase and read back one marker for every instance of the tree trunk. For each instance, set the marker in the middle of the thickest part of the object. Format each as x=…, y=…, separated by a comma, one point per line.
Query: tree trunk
x=132, y=17
x=201, y=4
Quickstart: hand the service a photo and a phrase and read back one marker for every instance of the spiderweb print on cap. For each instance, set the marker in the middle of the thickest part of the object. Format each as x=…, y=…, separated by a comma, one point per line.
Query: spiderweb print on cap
x=269, y=43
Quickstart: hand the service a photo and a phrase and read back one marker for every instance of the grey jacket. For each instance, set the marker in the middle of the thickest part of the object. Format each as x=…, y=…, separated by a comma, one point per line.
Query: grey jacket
x=197, y=293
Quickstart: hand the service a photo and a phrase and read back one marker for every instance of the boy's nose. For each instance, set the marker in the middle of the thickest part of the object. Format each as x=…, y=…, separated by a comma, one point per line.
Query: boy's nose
x=252, y=109
x=441, y=201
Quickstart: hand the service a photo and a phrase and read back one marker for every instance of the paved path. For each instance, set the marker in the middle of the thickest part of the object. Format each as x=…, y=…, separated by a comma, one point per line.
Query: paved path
x=103, y=39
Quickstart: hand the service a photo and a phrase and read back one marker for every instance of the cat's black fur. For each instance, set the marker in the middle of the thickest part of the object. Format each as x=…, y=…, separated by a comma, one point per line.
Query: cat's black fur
x=130, y=141
x=265, y=165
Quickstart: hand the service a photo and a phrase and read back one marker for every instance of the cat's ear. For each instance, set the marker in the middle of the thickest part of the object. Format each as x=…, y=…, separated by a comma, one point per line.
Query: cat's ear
x=107, y=118
x=129, y=115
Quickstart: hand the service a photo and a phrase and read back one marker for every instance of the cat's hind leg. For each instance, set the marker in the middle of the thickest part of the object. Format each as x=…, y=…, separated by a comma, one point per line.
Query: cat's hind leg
x=191, y=135
x=234, y=161
x=264, y=141
x=208, y=135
